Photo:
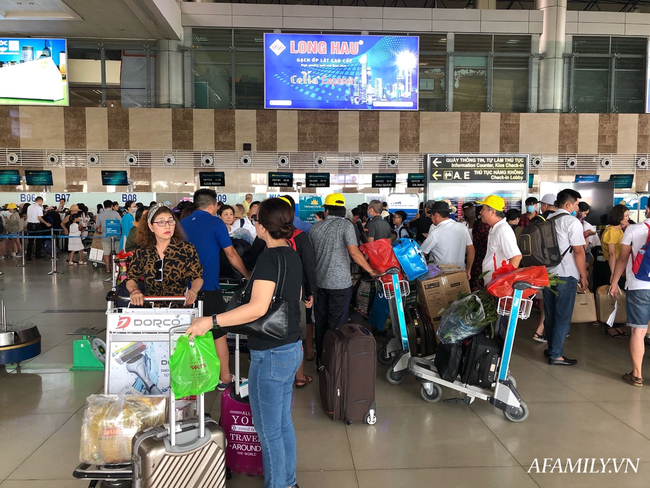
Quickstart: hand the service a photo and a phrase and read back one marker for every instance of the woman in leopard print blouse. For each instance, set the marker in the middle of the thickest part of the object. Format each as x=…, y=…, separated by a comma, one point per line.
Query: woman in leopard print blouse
x=169, y=265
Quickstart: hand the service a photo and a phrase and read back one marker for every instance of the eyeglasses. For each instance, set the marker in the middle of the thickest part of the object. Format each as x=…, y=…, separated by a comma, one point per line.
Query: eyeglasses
x=163, y=223
x=253, y=220
x=158, y=266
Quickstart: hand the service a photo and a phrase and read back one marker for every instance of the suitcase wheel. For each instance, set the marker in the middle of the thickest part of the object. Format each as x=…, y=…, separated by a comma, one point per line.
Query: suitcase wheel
x=370, y=418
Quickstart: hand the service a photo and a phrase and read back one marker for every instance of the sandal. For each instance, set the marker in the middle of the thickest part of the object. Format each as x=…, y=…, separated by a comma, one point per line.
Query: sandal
x=632, y=380
x=539, y=337
x=617, y=332
x=301, y=384
x=71, y=263
x=82, y=262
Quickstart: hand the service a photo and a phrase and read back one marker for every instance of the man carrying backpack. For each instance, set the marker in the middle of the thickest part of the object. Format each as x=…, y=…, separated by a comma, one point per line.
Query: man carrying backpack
x=638, y=291
x=559, y=301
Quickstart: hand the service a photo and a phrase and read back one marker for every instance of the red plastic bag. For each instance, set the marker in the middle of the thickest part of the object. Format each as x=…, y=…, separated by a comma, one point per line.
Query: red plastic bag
x=501, y=284
x=381, y=257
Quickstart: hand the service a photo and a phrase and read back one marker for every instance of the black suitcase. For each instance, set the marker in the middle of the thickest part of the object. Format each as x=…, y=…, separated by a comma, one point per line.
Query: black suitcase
x=347, y=374
x=429, y=331
x=481, y=361
x=448, y=360
x=421, y=340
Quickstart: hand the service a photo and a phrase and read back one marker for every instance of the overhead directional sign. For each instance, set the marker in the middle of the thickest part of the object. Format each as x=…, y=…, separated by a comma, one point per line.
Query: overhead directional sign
x=444, y=168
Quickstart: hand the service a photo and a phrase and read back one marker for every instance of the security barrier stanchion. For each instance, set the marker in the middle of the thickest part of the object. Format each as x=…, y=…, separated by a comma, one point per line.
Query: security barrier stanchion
x=22, y=242
x=53, y=240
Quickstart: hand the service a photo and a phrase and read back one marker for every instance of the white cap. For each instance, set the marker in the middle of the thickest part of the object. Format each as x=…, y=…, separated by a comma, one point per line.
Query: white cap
x=548, y=199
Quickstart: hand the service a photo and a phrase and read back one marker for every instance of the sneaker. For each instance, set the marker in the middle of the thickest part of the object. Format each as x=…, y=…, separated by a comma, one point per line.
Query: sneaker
x=539, y=338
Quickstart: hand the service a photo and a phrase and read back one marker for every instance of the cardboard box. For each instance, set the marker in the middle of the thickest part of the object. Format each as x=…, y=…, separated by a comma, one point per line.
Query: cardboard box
x=584, y=308
x=439, y=287
x=605, y=305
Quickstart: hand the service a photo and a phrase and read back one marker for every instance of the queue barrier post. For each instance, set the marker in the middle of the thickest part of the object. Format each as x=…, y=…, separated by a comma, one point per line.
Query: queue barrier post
x=53, y=240
x=22, y=243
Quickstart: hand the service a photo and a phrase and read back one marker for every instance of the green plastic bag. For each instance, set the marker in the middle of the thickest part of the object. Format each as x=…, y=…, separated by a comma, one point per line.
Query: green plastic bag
x=194, y=367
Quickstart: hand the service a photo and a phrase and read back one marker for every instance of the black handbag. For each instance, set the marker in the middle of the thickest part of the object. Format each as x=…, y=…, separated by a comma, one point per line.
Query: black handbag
x=274, y=324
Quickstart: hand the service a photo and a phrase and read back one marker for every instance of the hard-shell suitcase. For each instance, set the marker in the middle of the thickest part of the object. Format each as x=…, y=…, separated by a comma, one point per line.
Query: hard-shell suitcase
x=410, y=257
x=188, y=454
x=347, y=374
x=244, y=452
x=421, y=340
x=429, y=330
x=481, y=361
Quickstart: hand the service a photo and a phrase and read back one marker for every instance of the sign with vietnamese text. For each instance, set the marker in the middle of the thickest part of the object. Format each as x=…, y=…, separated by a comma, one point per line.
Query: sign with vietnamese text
x=458, y=168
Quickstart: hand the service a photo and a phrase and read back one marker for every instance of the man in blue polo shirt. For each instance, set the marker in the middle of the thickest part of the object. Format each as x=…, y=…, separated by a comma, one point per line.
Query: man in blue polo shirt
x=209, y=235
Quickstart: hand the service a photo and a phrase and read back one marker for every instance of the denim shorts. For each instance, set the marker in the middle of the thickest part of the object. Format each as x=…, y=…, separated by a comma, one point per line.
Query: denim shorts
x=638, y=308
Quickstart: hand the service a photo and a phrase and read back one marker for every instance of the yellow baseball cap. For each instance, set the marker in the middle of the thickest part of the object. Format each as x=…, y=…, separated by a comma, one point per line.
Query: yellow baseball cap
x=494, y=201
x=11, y=206
x=335, y=200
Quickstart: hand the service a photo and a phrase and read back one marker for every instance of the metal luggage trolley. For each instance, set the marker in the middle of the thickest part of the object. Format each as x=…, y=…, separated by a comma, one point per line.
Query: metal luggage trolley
x=395, y=352
x=137, y=355
x=503, y=394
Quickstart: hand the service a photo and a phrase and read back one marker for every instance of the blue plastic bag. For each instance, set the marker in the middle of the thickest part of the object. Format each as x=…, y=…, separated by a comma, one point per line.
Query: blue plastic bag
x=410, y=257
x=379, y=312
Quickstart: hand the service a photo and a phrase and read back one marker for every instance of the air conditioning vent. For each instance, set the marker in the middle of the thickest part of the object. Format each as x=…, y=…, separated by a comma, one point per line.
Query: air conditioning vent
x=246, y=160
x=642, y=163
x=283, y=161
x=207, y=161
x=131, y=159
x=356, y=162
x=606, y=163
x=12, y=158
x=52, y=158
x=92, y=159
x=169, y=160
x=319, y=161
x=393, y=162
x=571, y=163
x=536, y=163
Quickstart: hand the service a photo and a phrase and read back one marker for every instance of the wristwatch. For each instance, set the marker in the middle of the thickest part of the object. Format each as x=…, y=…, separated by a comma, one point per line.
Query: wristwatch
x=215, y=325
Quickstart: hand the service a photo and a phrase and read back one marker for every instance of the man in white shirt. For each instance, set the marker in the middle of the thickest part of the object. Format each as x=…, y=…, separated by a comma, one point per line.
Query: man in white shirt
x=637, y=303
x=448, y=241
x=502, y=243
x=35, y=225
x=559, y=301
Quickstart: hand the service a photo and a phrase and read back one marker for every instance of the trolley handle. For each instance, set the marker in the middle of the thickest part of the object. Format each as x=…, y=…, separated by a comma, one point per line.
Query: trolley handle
x=157, y=299
x=390, y=271
x=524, y=285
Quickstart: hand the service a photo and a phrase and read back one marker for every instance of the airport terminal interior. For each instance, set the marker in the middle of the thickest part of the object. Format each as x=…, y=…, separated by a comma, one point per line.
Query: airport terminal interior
x=400, y=101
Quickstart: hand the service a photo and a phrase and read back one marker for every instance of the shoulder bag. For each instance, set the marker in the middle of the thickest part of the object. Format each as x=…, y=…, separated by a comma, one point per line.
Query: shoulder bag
x=274, y=324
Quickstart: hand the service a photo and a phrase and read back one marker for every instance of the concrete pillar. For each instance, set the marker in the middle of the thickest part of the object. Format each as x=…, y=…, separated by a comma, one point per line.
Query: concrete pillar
x=169, y=74
x=485, y=4
x=551, y=44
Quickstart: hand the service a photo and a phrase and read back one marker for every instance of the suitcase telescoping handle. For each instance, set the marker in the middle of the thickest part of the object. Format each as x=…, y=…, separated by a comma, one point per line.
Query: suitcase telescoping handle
x=177, y=331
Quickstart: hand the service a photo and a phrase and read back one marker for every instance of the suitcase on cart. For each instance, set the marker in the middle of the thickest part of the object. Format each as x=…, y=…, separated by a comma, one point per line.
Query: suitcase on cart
x=243, y=452
x=481, y=361
x=190, y=454
x=347, y=374
x=422, y=342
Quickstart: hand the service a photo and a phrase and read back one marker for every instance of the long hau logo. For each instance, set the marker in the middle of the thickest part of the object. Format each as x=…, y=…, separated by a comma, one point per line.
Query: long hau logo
x=123, y=322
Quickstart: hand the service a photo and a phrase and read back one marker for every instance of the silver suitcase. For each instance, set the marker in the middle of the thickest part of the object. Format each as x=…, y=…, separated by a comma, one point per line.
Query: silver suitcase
x=187, y=454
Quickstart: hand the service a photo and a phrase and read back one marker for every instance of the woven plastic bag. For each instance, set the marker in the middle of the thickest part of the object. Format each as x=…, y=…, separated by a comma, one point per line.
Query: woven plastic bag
x=194, y=366
x=464, y=318
x=111, y=421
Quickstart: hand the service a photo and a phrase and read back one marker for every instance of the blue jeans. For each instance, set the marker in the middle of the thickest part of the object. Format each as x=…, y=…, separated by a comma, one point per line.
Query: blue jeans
x=270, y=381
x=558, y=310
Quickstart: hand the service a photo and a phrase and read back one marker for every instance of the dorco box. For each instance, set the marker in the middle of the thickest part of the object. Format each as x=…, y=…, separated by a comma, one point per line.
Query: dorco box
x=440, y=286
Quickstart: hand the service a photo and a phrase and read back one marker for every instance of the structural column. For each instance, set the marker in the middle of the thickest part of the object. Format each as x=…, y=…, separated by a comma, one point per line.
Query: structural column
x=485, y=4
x=551, y=45
x=169, y=74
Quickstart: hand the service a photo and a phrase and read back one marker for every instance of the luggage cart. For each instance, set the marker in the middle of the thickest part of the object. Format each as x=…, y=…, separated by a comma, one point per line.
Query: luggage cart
x=503, y=394
x=395, y=352
x=137, y=355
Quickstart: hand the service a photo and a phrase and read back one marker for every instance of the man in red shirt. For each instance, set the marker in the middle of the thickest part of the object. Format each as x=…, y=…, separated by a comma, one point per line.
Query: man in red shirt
x=528, y=213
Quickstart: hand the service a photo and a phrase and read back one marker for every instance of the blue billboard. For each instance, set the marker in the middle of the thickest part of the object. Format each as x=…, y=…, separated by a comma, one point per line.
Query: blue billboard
x=340, y=72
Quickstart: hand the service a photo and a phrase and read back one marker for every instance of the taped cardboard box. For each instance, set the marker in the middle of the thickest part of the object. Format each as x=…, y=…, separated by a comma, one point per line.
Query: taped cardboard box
x=439, y=287
x=584, y=308
x=605, y=305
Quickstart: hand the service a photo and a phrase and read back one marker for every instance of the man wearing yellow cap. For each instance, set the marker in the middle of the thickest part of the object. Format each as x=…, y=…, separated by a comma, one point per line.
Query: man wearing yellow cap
x=502, y=243
x=334, y=242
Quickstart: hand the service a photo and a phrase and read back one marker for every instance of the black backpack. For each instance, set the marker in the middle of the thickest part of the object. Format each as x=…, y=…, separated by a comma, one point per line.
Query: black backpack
x=538, y=244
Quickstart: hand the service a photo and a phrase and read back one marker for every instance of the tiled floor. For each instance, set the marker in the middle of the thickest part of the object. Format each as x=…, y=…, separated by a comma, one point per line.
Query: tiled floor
x=585, y=411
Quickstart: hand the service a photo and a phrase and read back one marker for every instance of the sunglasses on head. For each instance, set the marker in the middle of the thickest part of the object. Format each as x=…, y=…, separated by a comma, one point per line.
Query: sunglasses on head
x=158, y=266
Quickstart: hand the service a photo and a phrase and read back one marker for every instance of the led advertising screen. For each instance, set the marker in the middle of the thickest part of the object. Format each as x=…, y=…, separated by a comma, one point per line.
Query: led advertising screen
x=38, y=178
x=33, y=72
x=115, y=178
x=9, y=177
x=341, y=72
